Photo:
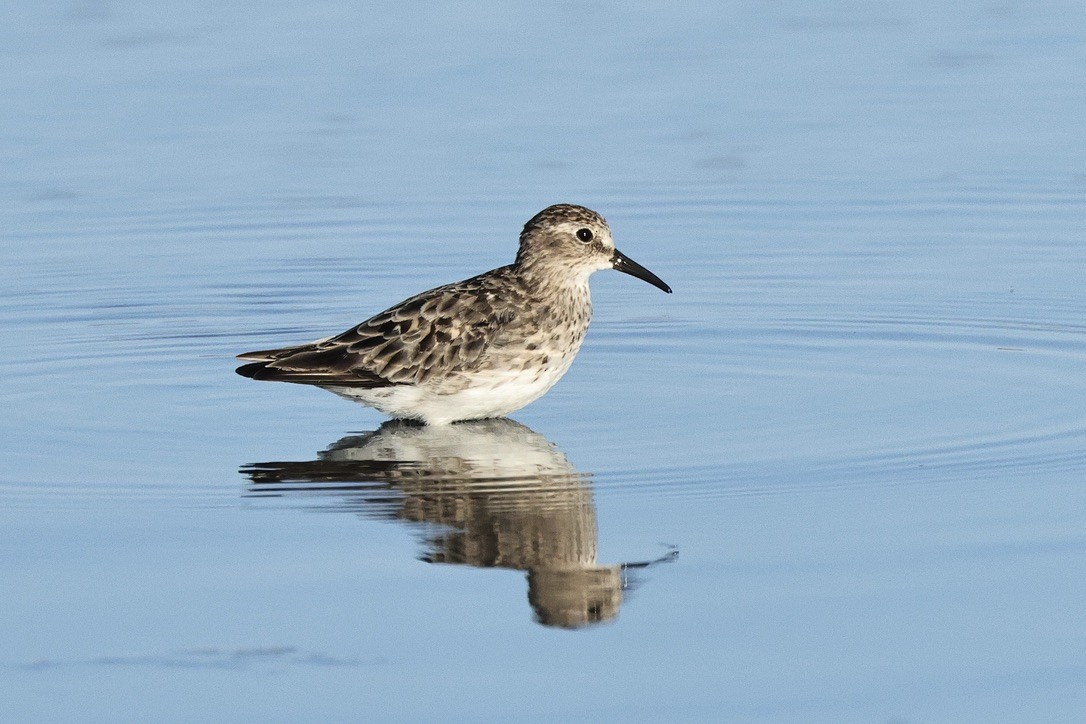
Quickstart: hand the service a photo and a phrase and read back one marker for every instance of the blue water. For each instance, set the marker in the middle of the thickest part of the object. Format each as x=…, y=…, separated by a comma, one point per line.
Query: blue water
x=837, y=476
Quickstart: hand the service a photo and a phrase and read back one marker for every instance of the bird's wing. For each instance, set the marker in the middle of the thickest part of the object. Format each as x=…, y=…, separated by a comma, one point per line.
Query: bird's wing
x=442, y=331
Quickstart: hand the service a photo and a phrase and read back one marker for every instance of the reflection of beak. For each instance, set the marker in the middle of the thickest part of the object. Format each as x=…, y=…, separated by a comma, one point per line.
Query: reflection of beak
x=623, y=263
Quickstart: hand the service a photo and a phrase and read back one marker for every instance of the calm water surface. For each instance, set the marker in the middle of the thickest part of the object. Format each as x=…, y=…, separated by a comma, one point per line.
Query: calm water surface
x=837, y=476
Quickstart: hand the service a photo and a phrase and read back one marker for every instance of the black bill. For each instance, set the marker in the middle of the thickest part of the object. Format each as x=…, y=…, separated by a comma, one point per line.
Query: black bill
x=627, y=265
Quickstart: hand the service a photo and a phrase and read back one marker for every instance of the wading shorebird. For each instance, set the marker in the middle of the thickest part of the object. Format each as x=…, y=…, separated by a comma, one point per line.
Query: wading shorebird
x=474, y=349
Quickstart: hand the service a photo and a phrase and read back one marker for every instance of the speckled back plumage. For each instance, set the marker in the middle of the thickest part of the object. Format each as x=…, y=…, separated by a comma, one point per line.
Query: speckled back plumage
x=442, y=332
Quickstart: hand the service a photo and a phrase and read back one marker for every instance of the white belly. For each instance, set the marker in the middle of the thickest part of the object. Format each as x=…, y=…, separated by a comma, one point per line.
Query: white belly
x=490, y=394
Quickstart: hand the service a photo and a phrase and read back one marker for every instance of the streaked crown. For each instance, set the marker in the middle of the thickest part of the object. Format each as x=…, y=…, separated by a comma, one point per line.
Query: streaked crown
x=566, y=235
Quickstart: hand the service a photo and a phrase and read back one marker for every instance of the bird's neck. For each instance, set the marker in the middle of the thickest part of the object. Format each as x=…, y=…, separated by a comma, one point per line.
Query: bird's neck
x=547, y=278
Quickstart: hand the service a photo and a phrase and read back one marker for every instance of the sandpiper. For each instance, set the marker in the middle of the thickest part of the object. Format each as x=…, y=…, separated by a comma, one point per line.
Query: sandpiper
x=475, y=349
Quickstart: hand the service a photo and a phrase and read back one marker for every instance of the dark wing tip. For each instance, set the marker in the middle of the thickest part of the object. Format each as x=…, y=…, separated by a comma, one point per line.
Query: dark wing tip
x=252, y=371
x=267, y=355
x=320, y=378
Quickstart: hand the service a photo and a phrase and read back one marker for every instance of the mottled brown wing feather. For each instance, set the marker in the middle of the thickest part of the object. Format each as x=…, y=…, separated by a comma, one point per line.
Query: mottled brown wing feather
x=441, y=331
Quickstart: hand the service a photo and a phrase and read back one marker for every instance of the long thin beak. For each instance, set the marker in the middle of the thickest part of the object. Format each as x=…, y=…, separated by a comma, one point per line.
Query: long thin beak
x=625, y=264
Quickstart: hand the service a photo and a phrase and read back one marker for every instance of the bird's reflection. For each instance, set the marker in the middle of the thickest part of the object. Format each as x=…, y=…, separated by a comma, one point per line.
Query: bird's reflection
x=493, y=493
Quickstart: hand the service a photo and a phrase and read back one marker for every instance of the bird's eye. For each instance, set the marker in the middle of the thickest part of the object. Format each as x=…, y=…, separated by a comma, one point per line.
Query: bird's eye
x=584, y=235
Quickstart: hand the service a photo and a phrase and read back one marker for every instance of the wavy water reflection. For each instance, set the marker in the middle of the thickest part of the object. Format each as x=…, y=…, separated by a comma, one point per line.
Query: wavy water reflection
x=489, y=494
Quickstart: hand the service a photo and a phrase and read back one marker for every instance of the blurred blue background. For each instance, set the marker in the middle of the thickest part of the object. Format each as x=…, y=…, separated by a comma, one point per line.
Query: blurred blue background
x=859, y=419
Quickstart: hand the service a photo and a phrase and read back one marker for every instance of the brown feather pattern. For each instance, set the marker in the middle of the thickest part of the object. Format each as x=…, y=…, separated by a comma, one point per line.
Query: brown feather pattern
x=404, y=344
